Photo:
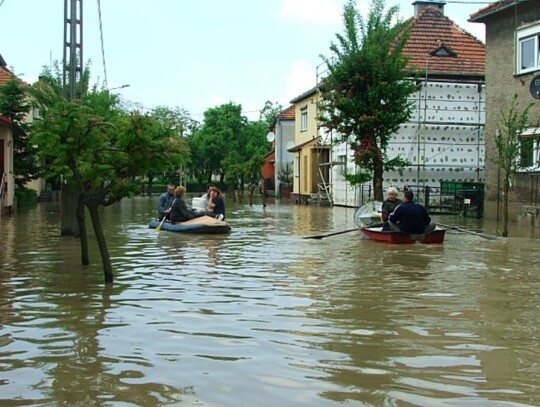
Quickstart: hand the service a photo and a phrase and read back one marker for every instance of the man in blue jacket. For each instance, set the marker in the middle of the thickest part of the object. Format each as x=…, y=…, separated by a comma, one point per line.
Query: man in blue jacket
x=410, y=217
x=164, y=202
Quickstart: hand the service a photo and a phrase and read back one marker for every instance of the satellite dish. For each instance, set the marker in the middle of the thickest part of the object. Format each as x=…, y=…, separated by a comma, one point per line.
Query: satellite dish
x=270, y=136
x=290, y=145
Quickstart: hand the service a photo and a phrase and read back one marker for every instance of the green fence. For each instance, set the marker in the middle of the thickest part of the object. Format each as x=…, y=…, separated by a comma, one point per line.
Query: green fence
x=468, y=197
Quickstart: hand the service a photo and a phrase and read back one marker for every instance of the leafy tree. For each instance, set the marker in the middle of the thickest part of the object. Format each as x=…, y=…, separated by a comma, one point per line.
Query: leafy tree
x=102, y=149
x=255, y=147
x=269, y=113
x=365, y=95
x=510, y=146
x=218, y=135
x=179, y=121
x=14, y=105
x=229, y=145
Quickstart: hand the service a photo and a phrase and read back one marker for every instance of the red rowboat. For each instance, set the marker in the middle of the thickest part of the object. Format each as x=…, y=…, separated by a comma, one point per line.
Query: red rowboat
x=376, y=233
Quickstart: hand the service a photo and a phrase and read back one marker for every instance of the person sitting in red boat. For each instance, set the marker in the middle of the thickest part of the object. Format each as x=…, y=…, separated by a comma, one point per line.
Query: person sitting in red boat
x=410, y=217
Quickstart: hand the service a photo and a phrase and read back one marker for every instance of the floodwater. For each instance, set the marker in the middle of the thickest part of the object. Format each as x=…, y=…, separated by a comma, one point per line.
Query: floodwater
x=263, y=317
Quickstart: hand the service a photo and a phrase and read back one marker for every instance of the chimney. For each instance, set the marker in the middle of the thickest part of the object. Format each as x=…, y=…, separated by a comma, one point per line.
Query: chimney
x=420, y=5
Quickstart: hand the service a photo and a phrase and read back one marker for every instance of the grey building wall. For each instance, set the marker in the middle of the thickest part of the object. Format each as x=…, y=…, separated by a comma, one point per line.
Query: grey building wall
x=501, y=85
x=284, y=140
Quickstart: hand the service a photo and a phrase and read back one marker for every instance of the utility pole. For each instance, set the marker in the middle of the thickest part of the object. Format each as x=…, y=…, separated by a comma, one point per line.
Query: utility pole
x=73, y=48
x=71, y=82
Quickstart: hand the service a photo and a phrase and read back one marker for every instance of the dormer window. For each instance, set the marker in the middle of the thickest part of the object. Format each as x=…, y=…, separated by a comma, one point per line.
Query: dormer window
x=443, y=51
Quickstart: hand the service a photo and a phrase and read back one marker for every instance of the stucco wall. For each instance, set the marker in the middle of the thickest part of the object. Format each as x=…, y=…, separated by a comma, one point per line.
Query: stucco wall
x=304, y=163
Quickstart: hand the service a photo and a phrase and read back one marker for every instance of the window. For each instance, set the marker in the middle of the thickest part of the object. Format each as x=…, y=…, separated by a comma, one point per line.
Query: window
x=303, y=119
x=342, y=163
x=529, y=157
x=528, y=46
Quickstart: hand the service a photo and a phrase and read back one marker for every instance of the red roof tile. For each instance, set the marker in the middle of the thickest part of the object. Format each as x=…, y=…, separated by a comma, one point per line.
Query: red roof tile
x=288, y=114
x=431, y=30
x=5, y=75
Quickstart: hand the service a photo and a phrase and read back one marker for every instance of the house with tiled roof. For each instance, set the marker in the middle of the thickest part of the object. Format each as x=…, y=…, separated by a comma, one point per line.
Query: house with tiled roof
x=444, y=139
x=311, y=150
x=513, y=68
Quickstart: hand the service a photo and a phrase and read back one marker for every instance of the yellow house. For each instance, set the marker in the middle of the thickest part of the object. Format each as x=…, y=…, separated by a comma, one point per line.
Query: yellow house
x=311, y=151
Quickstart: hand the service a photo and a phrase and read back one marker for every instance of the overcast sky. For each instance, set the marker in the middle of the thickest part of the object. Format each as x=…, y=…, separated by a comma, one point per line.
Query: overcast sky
x=194, y=54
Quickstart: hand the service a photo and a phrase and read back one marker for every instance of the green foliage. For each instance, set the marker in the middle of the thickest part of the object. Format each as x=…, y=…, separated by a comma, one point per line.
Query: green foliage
x=229, y=145
x=396, y=163
x=269, y=113
x=14, y=105
x=101, y=147
x=358, y=178
x=508, y=141
x=177, y=119
x=510, y=148
x=25, y=197
x=104, y=150
x=365, y=95
x=286, y=173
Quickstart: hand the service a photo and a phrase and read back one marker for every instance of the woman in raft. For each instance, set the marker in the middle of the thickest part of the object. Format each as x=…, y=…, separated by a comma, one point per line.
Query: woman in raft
x=179, y=210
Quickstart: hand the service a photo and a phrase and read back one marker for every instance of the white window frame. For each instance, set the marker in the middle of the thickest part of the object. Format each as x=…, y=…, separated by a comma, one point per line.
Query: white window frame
x=535, y=134
x=303, y=119
x=522, y=36
x=342, y=169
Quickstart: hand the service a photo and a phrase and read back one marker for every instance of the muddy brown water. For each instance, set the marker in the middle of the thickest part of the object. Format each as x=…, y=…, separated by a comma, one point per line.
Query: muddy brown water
x=265, y=317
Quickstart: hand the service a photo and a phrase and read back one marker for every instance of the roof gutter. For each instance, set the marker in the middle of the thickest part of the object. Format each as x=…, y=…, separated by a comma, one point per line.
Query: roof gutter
x=481, y=16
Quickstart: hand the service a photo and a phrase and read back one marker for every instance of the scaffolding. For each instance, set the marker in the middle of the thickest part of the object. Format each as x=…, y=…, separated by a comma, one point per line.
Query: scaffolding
x=324, y=164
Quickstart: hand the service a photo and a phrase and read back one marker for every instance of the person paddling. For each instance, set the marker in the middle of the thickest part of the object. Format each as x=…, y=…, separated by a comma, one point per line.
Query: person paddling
x=410, y=217
x=179, y=210
x=164, y=203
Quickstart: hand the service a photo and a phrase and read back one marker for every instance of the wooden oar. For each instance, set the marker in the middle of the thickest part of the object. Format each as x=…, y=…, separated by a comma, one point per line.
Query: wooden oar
x=163, y=220
x=485, y=236
x=330, y=234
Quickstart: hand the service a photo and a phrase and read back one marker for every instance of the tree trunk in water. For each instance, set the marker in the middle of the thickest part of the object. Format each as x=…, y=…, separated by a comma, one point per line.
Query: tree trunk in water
x=102, y=244
x=378, y=180
x=251, y=190
x=263, y=192
x=150, y=184
x=85, y=257
x=69, y=200
x=506, y=187
x=232, y=193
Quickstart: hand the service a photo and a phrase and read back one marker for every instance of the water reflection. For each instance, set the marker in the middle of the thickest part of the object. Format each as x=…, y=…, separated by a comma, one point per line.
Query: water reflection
x=262, y=316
